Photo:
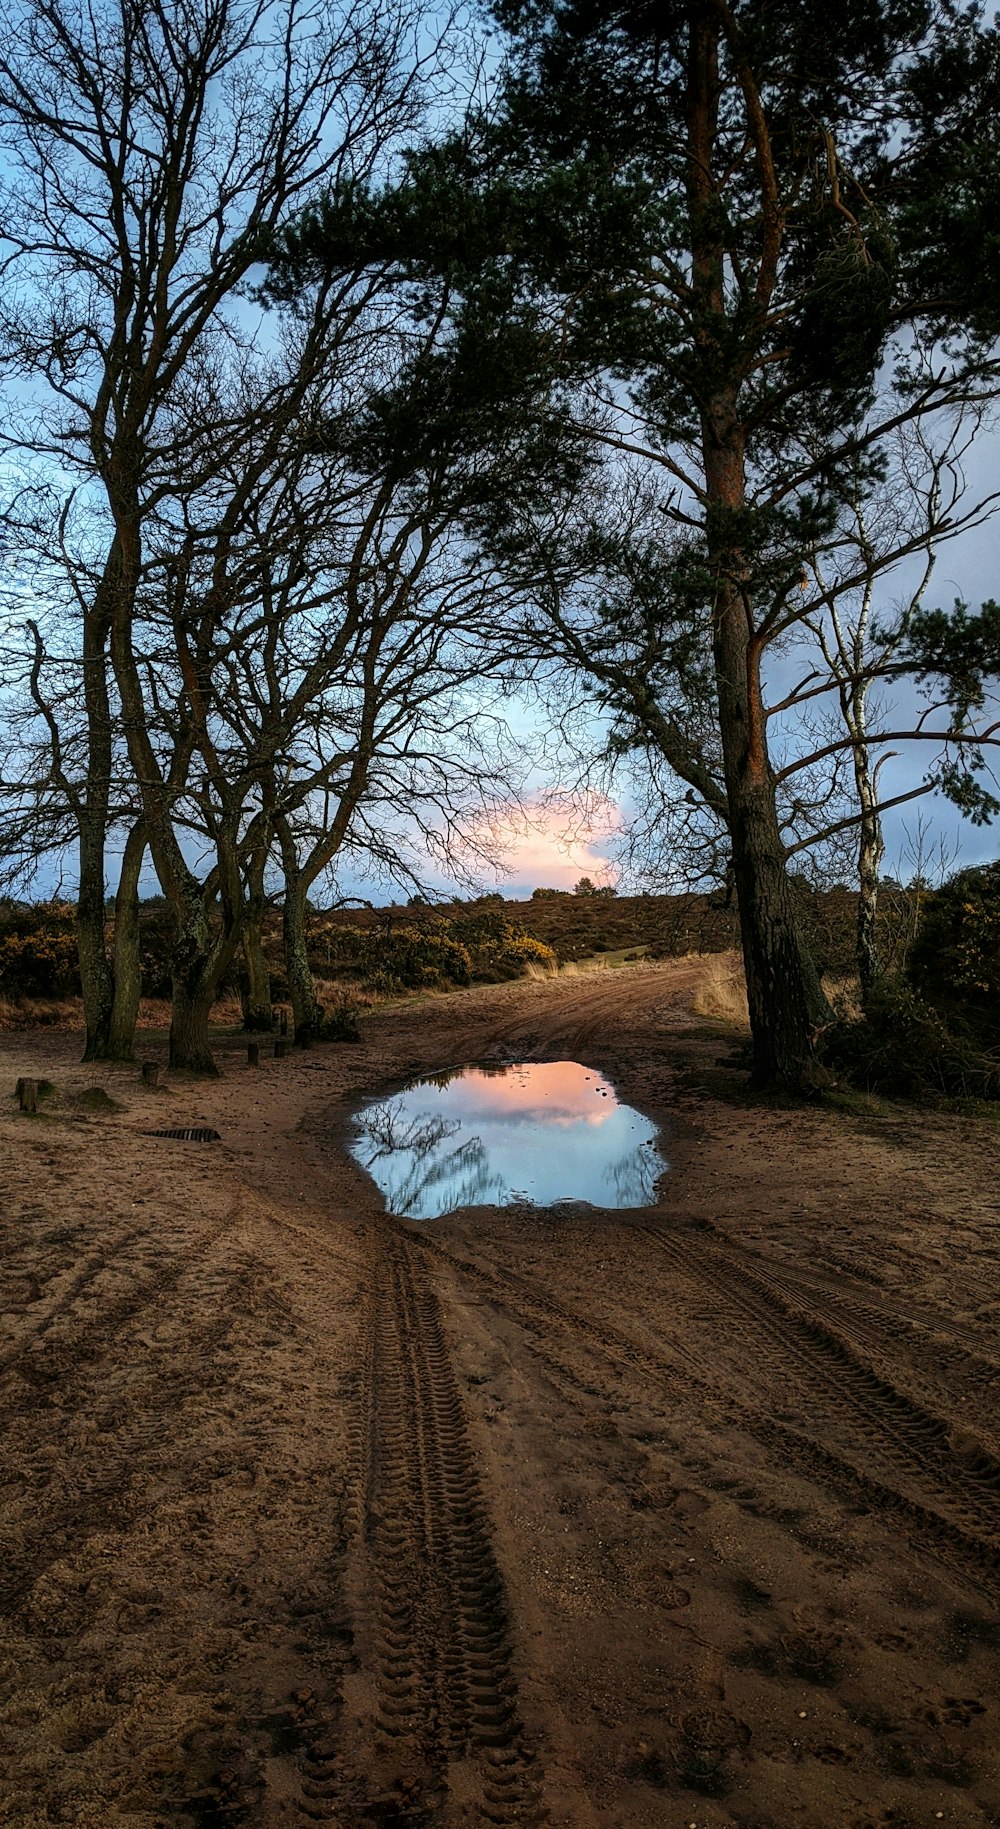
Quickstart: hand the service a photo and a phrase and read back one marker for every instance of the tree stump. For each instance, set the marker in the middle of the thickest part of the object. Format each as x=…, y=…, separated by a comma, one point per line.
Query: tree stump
x=279, y=1048
x=150, y=1073
x=27, y=1094
x=253, y=1054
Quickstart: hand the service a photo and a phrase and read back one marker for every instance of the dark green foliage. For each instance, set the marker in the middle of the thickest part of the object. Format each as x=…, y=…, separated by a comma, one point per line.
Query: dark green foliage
x=498, y=947
x=38, y=954
x=340, y=1023
x=947, y=224
x=955, y=960
x=961, y=648
x=396, y=958
x=481, y=945
x=904, y=1047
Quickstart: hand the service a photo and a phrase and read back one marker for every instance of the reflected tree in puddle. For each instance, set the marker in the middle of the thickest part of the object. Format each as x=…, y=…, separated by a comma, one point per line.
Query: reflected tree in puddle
x=629, y=1177
x=492, y=1134
x=424, y=1164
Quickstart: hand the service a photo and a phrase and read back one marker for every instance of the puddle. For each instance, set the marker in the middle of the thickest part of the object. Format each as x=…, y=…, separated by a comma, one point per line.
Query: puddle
x=487, y=1135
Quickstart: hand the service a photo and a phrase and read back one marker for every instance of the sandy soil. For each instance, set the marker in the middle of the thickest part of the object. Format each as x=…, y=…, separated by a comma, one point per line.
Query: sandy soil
x=689, y=1515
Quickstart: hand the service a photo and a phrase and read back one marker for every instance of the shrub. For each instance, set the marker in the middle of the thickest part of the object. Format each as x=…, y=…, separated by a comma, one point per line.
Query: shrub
x=545, y=895
x=340, y=1021
x=901, y=1045
x=407, y=958
x=954, y=962
x=500, y=948
x=42, y=963
x=516, y=954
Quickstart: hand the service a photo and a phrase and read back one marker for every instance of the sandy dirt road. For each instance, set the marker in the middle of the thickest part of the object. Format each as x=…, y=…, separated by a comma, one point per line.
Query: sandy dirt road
x=687, y=1515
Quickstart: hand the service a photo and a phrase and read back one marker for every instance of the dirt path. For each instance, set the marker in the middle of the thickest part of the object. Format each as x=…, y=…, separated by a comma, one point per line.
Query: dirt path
x=689, y=1515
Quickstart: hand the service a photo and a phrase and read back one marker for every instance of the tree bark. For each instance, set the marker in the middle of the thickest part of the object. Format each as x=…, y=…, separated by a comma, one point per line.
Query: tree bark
x=127, y=969
x=871, y=850
x=787, y=1006
x=190, y=1050
x=786, y=1001
x=307, y=1013
x=256, y=993
x=96, y=980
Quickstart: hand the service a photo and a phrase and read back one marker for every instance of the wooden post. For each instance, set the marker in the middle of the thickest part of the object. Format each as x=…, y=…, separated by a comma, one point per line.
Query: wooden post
x=150, y=1073
x=253, y=1054
x=27, y=1094
x=279, y=1047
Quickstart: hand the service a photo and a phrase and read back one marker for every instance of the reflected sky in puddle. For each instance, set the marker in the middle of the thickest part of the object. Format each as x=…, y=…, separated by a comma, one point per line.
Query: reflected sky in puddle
x=490, y=1135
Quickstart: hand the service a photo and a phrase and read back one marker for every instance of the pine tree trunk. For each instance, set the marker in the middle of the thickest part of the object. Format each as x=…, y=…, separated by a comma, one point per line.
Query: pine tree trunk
x=787, y=1006
x=127, y=969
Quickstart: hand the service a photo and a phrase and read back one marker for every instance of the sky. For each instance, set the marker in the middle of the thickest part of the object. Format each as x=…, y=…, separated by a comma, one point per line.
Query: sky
x=549, y=849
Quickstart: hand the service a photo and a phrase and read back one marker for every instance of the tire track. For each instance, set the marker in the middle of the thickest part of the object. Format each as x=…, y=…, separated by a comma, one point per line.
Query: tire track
x=893, y=1420
x=80, y=1278
x=957, y=1514
x=439, y=1633
x=957, y=1350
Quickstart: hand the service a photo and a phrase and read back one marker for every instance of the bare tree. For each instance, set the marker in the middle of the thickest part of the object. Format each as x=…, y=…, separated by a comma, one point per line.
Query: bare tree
x=624, y=613
x=855, y=619
x=149, y=148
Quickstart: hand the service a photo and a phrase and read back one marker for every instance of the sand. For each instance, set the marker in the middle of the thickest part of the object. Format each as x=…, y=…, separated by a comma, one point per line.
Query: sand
x=686, y=1515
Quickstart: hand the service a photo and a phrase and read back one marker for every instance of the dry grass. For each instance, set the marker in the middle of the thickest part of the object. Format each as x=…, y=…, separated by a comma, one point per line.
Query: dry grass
x=722, y=993
x=30, y=1012
x=845, y=996
x=534, y=969
x=333, y=993
x=67, y=1013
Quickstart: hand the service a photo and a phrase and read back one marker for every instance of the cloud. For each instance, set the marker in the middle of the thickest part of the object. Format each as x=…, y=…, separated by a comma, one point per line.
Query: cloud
x=554, y=842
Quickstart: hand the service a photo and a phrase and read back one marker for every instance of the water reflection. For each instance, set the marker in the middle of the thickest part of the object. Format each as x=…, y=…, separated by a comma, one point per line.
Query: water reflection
x=492, y=1134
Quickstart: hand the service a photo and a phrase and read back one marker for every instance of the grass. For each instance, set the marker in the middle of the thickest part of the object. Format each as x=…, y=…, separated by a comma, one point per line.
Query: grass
x=722, y=993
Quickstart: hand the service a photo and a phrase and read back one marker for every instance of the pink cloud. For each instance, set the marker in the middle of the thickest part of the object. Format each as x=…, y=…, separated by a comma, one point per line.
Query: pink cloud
x=556, y=1093
x=551, y=846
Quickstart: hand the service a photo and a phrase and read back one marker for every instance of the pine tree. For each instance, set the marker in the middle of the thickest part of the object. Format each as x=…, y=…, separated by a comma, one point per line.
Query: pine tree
x=745, y=239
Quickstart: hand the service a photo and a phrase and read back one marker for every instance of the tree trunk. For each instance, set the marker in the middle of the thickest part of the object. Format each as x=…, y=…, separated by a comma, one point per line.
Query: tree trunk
x=871, y=850
x=127, y=969
x=256, y=992
x=199, y=963
x=786, y=1001
x=307, y=1014
x=189, y=1044
x=96, y=981
x=787, y=1006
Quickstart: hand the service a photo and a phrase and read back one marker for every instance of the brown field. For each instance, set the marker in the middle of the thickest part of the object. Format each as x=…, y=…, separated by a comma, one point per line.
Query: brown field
x=684, y=1516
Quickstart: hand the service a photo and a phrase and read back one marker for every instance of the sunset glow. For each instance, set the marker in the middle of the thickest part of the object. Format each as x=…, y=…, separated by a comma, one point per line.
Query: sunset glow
x=557, y=1093
x=552, y=845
